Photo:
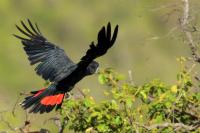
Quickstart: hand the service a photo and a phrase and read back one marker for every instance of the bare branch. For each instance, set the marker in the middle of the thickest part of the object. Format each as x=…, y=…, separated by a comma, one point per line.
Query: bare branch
x=173, y=125
x=58, y=122
x=81, y=92
x=15, y=105
x=188, y=34
x=131, y=77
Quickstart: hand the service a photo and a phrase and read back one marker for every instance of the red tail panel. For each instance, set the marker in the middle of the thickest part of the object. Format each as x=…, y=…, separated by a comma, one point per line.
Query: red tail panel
x=39, y=92
x=44, y=100
x=59, y=99
x=52, y=100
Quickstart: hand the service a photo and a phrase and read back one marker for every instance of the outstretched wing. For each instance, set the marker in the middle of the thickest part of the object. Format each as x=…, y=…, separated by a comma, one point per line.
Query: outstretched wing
x=105, y=41
x=54, y=64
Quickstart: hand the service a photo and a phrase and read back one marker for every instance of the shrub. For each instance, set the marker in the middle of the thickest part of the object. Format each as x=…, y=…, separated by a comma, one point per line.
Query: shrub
x=152, y=107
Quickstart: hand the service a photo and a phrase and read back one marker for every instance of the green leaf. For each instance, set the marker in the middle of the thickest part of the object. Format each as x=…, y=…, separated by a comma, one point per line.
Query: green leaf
x=159, y=118
x=102, y=128
x=117, y=120
x=129, y=102
x=114, y=104
x=102, y=79
x=88, y=102
x=198, y=95
x=168, y=104
x=143, y=94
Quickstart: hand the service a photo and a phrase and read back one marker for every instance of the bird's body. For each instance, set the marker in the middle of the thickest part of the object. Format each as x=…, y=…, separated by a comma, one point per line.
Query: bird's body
x=55, y=66
x=69, y=82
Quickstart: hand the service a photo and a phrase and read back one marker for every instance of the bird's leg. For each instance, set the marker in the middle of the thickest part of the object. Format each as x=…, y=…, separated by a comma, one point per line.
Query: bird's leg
x=68, y=95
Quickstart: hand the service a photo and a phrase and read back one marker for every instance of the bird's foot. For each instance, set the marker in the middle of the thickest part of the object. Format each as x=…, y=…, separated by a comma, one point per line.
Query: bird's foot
x=68, y=95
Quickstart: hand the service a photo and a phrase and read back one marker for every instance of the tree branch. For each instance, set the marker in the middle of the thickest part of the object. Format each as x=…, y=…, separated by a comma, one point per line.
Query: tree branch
x=173, y=125
x=188, y=34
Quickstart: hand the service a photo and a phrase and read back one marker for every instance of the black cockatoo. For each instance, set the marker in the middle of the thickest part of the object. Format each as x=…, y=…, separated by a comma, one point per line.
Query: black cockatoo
x=55, y=66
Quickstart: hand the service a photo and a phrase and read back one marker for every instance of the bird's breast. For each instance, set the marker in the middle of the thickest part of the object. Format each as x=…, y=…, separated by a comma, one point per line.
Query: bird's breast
x=70, y=81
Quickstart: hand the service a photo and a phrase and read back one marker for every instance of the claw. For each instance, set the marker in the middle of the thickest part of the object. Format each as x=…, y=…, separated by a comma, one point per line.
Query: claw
x=68, y=95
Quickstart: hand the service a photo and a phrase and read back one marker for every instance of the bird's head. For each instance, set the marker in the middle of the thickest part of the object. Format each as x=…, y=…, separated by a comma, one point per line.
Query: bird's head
x=92, y=68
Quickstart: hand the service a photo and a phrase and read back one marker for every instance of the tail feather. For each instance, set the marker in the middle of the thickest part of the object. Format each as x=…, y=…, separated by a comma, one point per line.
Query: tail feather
x=52, y=99
x=44, y=100
x=36, y=93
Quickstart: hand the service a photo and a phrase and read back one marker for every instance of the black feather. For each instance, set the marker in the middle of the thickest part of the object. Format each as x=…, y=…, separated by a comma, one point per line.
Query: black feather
x=32, y=27
x=105, y=41
x=27, y=29
x=52, y=59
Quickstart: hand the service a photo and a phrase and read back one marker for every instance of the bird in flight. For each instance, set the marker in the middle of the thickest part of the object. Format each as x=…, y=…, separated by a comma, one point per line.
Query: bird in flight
x=55, y=66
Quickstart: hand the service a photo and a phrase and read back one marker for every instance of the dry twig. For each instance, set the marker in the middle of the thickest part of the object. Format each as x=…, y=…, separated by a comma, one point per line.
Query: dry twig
x=188, y=34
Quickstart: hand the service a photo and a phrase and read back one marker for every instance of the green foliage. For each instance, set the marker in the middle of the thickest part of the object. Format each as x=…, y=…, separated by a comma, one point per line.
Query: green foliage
x=152, y=107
